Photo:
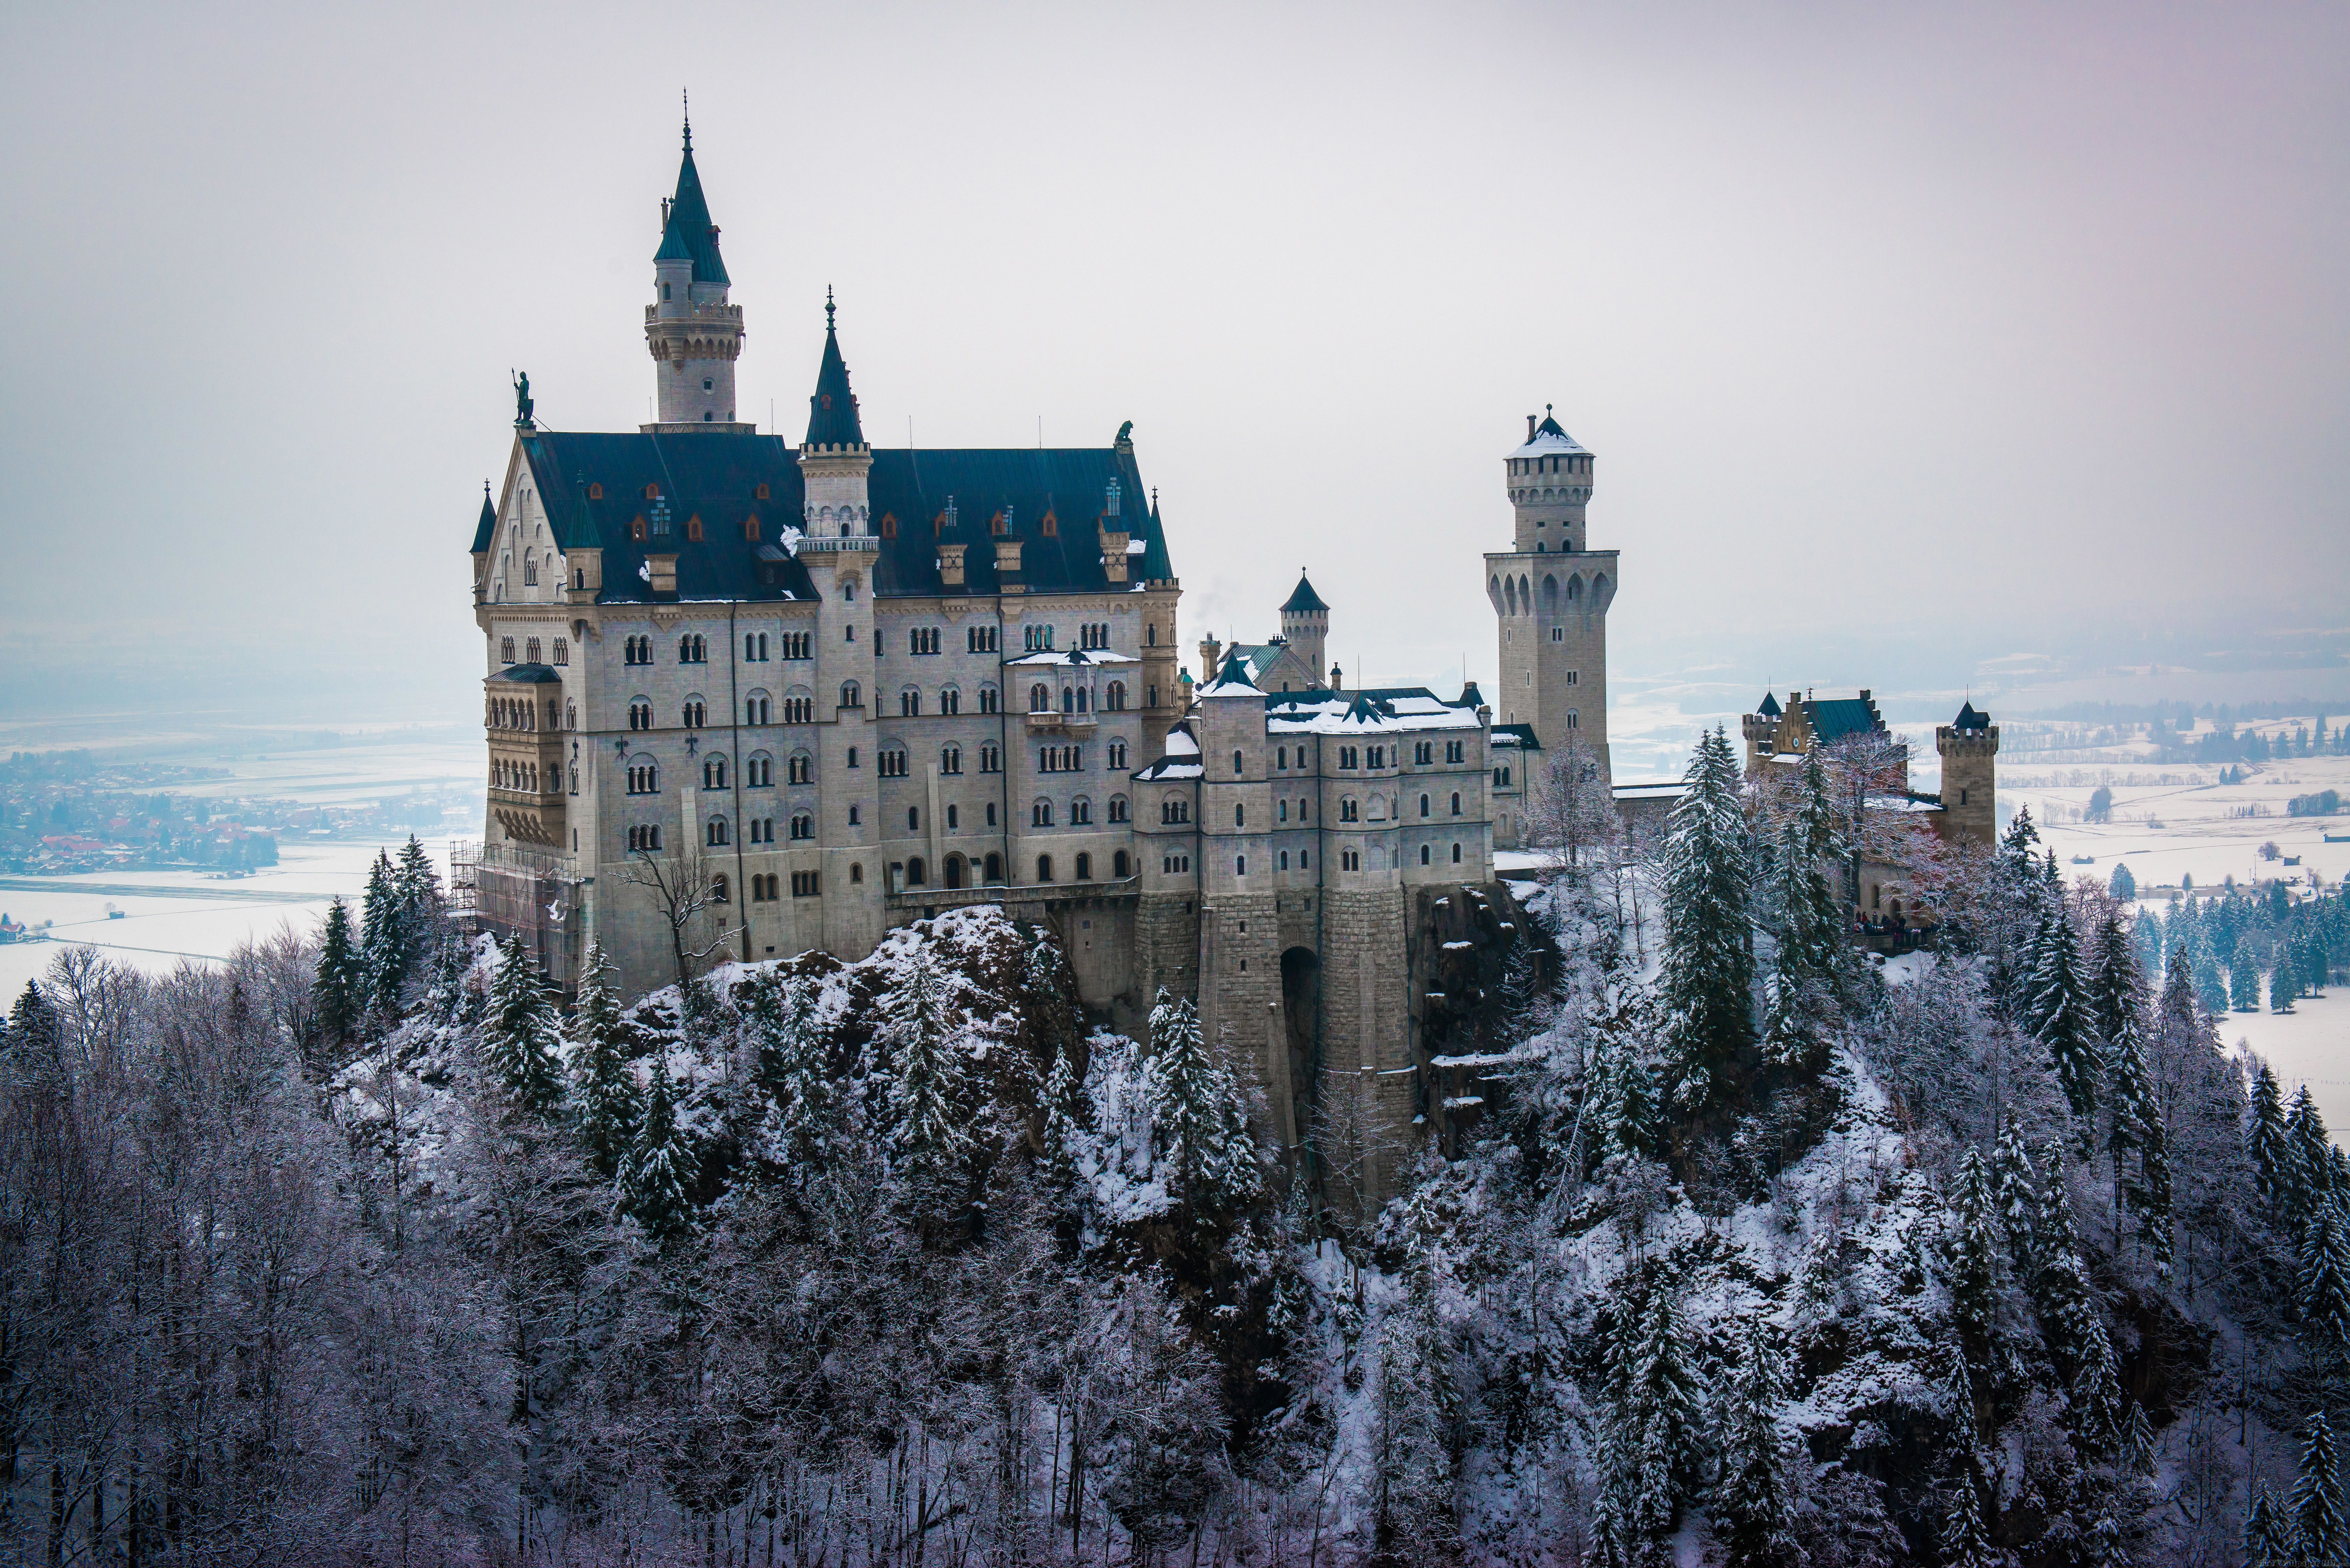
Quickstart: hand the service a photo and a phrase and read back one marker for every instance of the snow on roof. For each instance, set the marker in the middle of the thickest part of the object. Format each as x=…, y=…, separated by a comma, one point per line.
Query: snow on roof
x=1231, y=680
x=1079, y=656
x=1667, y=789
x=1356, y=712
x=1180, y=744
x=1549, y=440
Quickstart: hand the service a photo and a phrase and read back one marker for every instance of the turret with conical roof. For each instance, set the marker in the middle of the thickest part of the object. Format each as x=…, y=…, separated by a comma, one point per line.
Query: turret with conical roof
x=834, y=458
x=694, y=335
x=1306, y=625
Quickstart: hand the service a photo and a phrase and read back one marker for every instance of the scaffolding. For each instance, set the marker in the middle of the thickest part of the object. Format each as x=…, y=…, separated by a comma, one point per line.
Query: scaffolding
x=519, y=894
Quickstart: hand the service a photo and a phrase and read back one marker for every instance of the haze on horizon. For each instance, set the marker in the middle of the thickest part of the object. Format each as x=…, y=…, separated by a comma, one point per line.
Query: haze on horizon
x=1932, y=337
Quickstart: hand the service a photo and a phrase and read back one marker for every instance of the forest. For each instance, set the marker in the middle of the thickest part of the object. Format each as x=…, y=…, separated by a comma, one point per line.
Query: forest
x=367, y=1247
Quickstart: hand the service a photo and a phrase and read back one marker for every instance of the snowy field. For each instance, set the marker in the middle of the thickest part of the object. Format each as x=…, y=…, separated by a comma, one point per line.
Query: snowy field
x=177, y=916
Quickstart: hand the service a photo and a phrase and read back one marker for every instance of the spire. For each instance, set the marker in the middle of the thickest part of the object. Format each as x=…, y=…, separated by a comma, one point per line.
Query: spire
x=1303, y=600
x=687, y=233
x=832, y=412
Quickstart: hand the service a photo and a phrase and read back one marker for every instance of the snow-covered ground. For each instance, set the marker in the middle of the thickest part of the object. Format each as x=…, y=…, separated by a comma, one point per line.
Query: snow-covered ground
x=189, y=916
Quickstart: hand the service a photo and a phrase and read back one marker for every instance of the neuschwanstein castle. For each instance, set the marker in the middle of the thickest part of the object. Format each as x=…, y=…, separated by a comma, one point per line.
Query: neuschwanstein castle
x=843, y=688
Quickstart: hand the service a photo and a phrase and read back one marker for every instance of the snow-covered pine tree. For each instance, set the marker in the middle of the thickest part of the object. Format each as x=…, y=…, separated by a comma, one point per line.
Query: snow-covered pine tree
x=2210, y=988
x=2016, y=1191
x=2057, y=1011
x=793, y=1050
x=1755, y=1499
x=383, y=936
x=1974, y=1254
x=1790, y=1036
x=419, y=887
x=2312, y=1163
x=340, y=987
x=2280, y=988
x=1199, y=1121
x=2269, y=1145
x=656, y=1180
x=1414, y=1422
x=2145, y=935
x=920, y=1041
x=2116, y=989
x=1659, y=1417
x=1810, y=927
x=1705, y=982
x=2137, y=1129
x=2070, y=1323
x=606, y=1107
x=2270, y=1539
x=2137, y=1441
x=1965, y=1542
x=33, y=1028
x=2317, y=1516
x=2244, y=976
x=521, y=1037
x=1063, y=1103
x=2325, y=1285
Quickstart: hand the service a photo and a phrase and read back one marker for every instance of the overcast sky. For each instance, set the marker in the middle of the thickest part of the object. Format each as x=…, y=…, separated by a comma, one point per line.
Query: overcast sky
x=1897, y=326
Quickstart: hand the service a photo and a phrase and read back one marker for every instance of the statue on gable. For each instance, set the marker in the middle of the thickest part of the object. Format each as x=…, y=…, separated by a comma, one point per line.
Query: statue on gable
x=523, y=403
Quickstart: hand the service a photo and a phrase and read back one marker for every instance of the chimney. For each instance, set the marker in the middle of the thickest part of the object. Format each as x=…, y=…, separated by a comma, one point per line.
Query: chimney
x=1864, y=693
x=951, y=565
x=1529, y=427
x=1337, y=678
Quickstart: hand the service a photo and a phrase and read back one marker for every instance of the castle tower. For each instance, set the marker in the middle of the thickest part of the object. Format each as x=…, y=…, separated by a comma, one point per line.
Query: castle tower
x=1552, y=593
x=833, y=459
x=1306, y=625
x=1239, y=915
x=1969, y=749
x=693, y=334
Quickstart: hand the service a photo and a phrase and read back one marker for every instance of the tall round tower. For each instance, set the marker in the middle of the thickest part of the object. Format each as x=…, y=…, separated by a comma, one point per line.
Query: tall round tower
x=694, y=335
x=1551, y=592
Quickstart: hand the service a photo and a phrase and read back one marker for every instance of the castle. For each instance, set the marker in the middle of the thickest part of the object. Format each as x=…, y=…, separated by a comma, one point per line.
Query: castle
x=746, y=699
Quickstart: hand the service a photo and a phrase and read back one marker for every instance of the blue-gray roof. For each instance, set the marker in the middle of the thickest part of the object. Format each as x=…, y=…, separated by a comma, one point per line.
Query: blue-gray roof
x=688, y=234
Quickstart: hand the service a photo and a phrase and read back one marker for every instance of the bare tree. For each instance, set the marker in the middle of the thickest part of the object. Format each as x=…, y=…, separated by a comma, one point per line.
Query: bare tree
x=1570, y=813
x=691, y=893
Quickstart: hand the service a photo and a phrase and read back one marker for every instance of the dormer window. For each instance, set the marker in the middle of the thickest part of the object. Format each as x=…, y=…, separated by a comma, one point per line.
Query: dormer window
x=889, y=524
x=1052, y=526
x=761, y=493
x=652, y=492
x=595, y=492
x=693, y=528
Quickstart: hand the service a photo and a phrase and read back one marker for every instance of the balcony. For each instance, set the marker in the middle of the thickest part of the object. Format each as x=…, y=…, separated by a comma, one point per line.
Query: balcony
x=1075, y=726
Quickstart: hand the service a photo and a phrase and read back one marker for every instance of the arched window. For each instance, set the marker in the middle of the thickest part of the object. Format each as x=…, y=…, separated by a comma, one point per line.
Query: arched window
x=989, y=699
x=1040, y=698
x=803, y=826
x=1284, y=861
x=1040, y=813
x=949, y=759
x=910, y=703
x=718, y=889
x=856, y=871
x=1456, y=855
x=1236, y=763
x=1043, y=869
x=1423, y=803
x=1347, y=810
x=957, y=871
x=1118, y=811
x=761, y=769
x=1120, y=867
x=1115, y=698
x=1084, y=868
x=1240, y=868
x=695, y=711
x=1240, y=813
x=995, y=868
x=802, y=767
x=915, y=871
x=950, y=701
x=1423, y=855
x=714, y=832
x=850, y=696
x=1456, y=803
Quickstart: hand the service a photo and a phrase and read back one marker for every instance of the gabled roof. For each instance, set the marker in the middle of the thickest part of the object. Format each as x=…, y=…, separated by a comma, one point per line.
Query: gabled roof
x=1231, y=680
x=1302, y=599
x=529, y=674
x=832, y=408
x=688, y=234
x=716, y=475
x=1834, y=718
x=1970, y=718
x=1521, y=736
x=1769, y=707
x=1182, y=758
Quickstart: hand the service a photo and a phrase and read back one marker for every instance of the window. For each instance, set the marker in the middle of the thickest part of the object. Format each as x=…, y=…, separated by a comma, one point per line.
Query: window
x=1081, y=814
x=1423, y=855
x=805, y=884
x=1040, y=700
x=1040, y=813
x=645, y=839
x=1502, y=778
x=799, y=711
x=913, y=819
x=761, y=771
x=1059, y=760
x=1120, y=867
x=1349, y=811
x=980, y=639
x=889, y=531
x=1114, y=699
x=1423, y=805
x=848, y=634
x=994, y=872
x=1350, y=758
x=1281, y=811
x=1456, y=803
x=1423, y=754
x=754, y=647
x=910, y=703
x=1284, y=861
x=714, y=832
x=991, y=761
x=1378, y=756
x=1117, y=755
x=644, y=777
x=1236, y=763
x=1240, y=815
x=915, y=872
x=640, y=714
x=1052, y=526
x=758, y=710
x=1039, y=639
x=989, y=699
x=636, y=526
x=850, y=696
x=694, y=712
x=797, y=645
x=951, y=759
x=636, y=650
x=1302, y=862
x=1174, y=808
x=856, y=818
x=891, y=759
x=1456, y=751
x=802, y=767
x=530, y=571
x=505, y=650
x=852, y=756
x=530, y=651
x=1174, y=864
x=1154, y=696
x=922, y=640
x=714, y=773
x=562, y=651
x=1240, y=868
x=694, y=523
x=991, y=813
x=954, y=818
x=803, y=827
x=856, y=871
x=950, y=701
x=692, y=649
x=1084, y=868
x=1281, y=757
x=1043, y=869
x=1350, y=860
x=1117, y=812
x=760, y=892
x=1151, y=635
x=1574, y=719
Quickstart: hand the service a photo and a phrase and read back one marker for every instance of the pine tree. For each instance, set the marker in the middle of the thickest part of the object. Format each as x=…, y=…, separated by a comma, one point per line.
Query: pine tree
x=2057, y=1012
x=340, y=988
x=2069, y=1321
x=2137, y=1441
x=1199, y=1121
x=2016, y=1191
x=1706, y=979
x=1811, y=929
x=33, y=1031
x=2138, y=1128
x=383, y=942
x=520, y=1037
x=655, y=1179
x=1416, y=1415
x=1974, y=1253
x=2210, y=988
x=2317, y=1513
x=2244, y=977
x=783, y=1021
x=1965, y=1542
x=2269, y=1145
x=605, y=1098
x=2313, y=1165
x=2325, y=1285
x=1063, y=1103
x=419, y=887
x=921, y=1040
x=1756, y=1502
x=2281, y=988
x=2117, y=987
x=2270, y=1539
x=1659, y=1417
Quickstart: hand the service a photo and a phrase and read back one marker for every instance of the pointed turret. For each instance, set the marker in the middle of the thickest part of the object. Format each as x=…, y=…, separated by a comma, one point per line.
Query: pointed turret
x=1306, y=625
x=832, y=409
x=487, y=529
x=694, y=335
